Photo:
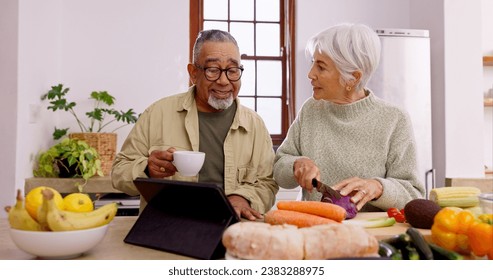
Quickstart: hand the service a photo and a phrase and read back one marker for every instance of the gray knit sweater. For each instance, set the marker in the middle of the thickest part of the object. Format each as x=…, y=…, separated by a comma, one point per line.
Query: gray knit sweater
x=368, y=139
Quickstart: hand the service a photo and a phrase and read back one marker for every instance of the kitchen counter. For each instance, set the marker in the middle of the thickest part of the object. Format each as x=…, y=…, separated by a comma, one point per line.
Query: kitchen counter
x=113, y=248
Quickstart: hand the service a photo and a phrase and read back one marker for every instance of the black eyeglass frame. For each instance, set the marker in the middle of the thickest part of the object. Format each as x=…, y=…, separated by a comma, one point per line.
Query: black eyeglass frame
x=221, y=72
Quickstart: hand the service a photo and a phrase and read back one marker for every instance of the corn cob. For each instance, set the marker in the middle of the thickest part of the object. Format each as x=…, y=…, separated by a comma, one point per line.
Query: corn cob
x=455, y=196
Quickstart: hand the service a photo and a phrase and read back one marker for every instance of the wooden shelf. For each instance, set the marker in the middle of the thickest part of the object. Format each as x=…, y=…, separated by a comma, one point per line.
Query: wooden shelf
x=488, y=60
x=484, y=184
x=68, y=185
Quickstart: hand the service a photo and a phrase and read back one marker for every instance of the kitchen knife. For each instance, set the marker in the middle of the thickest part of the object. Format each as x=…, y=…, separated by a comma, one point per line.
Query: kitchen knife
x=323, y=188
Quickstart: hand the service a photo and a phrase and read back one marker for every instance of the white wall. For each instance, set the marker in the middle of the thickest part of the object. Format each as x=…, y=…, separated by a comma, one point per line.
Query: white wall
x=88, y=46
x=315, y=15
x=487, y=48
x=135, y=50
x=487, y=27
x=457, y=110
x=8, y=92
x=463, y=90
x=39, y=65
x=429, y=15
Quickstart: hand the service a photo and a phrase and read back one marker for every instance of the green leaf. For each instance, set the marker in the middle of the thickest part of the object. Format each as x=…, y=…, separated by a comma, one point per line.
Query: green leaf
x=127, y=117
x=98, y=117
x=97, y=114
x=59, y=133
x=103, y=96
x=77, y=153
x=55, y=92
x=71, y=161
x=89, y=156
x=48, y=169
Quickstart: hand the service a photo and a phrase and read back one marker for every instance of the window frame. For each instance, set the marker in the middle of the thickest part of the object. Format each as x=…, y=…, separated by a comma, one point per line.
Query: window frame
x=287, y=29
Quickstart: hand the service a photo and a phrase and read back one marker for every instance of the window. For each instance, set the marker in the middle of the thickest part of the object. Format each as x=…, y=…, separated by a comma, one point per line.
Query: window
x=264, y=30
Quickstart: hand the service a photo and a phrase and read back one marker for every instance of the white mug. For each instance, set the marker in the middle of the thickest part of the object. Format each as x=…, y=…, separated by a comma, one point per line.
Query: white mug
x=188, y=163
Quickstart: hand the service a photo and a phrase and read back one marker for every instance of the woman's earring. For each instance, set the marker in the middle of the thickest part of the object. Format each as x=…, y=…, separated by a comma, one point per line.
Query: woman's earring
x=348, y=88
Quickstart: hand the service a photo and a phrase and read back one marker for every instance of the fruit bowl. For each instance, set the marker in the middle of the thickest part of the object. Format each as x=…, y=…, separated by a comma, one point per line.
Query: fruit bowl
x=58, y=244
x=486, y=202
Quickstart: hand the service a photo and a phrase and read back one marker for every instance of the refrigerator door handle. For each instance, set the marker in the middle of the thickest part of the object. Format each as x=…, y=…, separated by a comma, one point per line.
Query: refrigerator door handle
x=433, y=181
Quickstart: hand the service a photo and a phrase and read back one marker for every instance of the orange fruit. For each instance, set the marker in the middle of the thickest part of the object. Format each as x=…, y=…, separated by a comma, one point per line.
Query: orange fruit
x=78, y=202
x=34, y=199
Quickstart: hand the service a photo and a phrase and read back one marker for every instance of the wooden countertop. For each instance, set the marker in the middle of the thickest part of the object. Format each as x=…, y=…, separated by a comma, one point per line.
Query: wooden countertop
x=113, y=248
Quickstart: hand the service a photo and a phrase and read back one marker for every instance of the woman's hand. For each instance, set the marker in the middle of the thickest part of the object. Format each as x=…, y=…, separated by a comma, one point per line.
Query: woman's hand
x=304, y=170
x=361, y=190
x=159, y=163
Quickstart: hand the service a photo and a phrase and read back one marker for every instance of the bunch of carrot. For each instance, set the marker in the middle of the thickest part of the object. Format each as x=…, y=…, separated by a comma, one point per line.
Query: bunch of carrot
x=305, y=213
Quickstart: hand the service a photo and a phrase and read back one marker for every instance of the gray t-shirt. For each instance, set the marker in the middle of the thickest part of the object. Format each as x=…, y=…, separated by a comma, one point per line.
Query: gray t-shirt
x=213, y=129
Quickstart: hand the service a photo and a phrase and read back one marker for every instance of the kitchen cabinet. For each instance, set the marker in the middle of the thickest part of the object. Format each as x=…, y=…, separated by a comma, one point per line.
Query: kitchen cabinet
x=488, y=111
x=488, y=60
x=488, y=100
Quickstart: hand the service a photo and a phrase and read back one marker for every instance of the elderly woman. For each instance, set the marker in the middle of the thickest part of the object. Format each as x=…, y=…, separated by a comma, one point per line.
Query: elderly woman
x=344, y=135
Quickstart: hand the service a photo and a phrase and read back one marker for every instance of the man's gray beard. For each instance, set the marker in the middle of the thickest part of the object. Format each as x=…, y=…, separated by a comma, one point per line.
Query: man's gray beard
x=219, y=103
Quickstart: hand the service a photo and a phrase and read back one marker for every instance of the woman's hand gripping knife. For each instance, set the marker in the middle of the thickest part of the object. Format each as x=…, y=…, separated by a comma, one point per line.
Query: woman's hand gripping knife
x=304, y=171
x=360, y=190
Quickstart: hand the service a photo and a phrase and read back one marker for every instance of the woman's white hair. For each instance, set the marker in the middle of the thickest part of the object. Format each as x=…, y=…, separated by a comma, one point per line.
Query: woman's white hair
x=352, y=47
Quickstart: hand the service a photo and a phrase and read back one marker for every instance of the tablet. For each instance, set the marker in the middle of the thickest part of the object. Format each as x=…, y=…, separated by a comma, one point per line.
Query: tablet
x=186, y=218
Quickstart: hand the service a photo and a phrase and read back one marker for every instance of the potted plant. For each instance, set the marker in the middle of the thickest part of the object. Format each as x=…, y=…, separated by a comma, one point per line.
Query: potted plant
x=70, y=158
x=93, y=132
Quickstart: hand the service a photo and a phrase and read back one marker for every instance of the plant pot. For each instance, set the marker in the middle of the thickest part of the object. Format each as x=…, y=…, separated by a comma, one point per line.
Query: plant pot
x=105, y=145
x=66, y=171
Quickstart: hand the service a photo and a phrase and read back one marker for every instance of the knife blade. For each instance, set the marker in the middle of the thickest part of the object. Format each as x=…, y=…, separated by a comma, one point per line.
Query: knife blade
x=323, y=188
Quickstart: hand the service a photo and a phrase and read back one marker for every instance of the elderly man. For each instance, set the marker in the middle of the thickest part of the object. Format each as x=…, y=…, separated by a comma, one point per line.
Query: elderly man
x=208, y=118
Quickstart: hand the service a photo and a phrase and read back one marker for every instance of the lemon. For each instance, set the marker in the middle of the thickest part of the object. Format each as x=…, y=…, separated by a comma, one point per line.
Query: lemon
x=78, y=202
x=34, y=199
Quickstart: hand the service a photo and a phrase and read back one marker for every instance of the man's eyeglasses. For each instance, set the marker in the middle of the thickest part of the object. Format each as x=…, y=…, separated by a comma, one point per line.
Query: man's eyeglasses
x=213, y=74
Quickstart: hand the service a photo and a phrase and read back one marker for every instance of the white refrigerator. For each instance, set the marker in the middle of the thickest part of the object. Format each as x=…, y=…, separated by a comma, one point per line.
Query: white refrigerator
x=404, y=78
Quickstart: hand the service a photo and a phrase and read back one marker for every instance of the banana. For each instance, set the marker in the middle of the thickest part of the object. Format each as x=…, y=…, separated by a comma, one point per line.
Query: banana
x=19, y=218
x=111, y=208
x=61, y=220
x=41, y=215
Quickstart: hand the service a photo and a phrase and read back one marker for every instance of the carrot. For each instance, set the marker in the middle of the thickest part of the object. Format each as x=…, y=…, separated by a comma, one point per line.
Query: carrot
x=322, y=209
x=299, y=219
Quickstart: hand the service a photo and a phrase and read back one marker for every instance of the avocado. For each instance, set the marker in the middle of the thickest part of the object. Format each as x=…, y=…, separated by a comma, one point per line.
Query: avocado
x=421, y=212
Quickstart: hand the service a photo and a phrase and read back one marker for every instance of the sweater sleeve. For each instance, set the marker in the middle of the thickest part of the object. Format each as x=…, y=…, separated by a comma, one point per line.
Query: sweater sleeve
x=401, y=183
x=287, y=154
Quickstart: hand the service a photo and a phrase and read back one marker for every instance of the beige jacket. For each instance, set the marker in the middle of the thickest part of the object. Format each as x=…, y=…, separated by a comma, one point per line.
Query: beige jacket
x=173, y=122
